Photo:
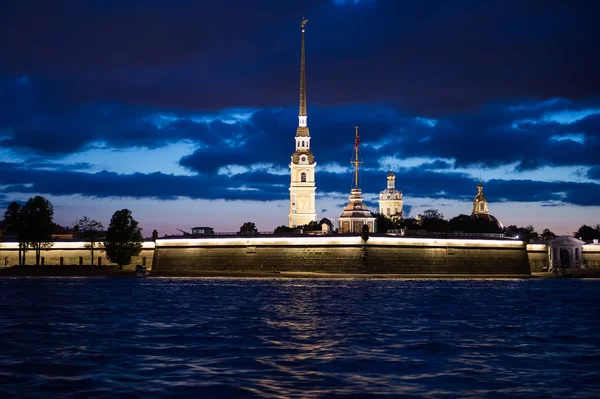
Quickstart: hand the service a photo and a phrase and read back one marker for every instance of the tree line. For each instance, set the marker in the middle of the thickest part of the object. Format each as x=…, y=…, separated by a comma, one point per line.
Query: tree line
x=433, y=221
x=33, y=225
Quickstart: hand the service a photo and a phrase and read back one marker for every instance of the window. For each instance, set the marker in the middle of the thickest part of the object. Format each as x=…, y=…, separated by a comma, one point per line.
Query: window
x=481, y=206
x=555, y=253
x=144, y=261
x=303, y=177
x=6, y=261
x=388, y=211
x=576, y=253
x=345, y=227
x=43, y=261
x=302, y=143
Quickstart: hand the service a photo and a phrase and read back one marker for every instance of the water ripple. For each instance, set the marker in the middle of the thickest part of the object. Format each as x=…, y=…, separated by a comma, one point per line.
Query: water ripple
x=300, y=338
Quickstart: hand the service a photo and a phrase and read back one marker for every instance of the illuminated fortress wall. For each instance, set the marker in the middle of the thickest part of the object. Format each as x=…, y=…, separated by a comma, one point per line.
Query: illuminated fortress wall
x=342, y=254
x=72, y=253
x=333, y=254
x=538, y=257
x=591, y=255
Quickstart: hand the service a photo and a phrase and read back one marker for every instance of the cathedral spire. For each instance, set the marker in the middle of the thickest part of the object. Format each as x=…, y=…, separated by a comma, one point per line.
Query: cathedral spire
x=302, y=117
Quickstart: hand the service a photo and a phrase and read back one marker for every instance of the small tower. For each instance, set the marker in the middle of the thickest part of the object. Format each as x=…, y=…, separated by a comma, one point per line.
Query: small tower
x=480, y=208
x=390, y=199
x=302, y=165
x=480, y=204
x=356, y=214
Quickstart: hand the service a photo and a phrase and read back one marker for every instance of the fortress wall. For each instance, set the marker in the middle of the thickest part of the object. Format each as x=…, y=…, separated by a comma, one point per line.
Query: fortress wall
x=538, y=257
x=342, y=254
x=591, y=255
x=70, y=252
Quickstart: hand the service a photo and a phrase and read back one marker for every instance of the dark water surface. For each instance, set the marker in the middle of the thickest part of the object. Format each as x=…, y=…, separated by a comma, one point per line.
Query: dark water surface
x=298, y=338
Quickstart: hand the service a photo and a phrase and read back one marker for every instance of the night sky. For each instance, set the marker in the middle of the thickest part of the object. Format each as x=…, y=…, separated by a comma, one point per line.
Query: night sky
x=185, y=112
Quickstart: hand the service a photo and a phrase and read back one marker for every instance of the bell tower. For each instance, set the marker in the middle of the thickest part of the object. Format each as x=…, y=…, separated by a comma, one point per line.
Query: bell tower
x=302, y=165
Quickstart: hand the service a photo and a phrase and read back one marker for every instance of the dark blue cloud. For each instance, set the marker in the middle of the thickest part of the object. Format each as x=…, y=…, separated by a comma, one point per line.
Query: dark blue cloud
x=476, y=82
x=432, y=57
x=594, y=173
x=264, y=186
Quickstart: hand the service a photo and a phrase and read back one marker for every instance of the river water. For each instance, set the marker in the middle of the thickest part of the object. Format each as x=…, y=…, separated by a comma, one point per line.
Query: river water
x=298, y=338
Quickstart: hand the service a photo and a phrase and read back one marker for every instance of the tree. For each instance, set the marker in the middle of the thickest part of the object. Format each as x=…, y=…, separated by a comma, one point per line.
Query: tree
x=384, y=223
x=90, y=230
x=154, y=235
x=548, y=235
x=433, y=214
x=523, y=233
x=283, y=229
x=587, y=233
x=433, y=222
x=14, y=216
x=248, y=228
x=311, y=226
x=39, y=226
x=409, y=224
x=123, y=238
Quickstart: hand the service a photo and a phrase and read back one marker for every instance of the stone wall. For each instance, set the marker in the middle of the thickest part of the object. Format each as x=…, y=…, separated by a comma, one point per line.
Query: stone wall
x=343, y=254
x=591, y=255
x=538, y=257
x=69, y=253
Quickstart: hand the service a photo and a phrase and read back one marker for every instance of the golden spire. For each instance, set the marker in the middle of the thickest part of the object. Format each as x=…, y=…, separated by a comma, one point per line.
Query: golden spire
x=302, y=114
x=356, y=162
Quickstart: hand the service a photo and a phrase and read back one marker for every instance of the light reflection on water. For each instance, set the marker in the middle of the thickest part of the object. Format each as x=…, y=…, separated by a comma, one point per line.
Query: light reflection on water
x=283, y=338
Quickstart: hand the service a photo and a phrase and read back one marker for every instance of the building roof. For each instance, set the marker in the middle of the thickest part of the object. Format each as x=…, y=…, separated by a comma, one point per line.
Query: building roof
x=488, y=217
x=356, y=207
x=297, y=154
x=390, y=191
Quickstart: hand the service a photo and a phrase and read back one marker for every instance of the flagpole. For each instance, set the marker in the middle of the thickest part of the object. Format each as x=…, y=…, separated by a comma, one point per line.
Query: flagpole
x=356, y=143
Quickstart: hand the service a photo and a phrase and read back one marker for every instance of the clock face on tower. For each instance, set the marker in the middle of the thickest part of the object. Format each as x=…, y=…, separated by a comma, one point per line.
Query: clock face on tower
x=303, y=159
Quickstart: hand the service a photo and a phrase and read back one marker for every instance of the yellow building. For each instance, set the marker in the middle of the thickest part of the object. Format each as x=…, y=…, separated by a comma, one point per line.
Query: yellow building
x=480, y=208
x=390, y=199
x=302, y=166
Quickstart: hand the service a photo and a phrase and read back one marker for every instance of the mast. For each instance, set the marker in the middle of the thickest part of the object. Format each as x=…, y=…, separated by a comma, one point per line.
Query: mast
x=356, y=162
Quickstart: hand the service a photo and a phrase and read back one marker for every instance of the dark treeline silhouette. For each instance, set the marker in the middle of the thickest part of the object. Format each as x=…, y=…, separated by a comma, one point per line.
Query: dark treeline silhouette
x=33, y=226
x=123, y=238
x=312, y=226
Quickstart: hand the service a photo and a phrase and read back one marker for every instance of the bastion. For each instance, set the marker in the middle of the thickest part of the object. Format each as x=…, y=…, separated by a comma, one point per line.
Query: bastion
x=342, y=254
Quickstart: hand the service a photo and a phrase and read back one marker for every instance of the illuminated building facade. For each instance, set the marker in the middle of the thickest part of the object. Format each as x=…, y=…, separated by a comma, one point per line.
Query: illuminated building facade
x=390, y=199
x=302, y=165
x=480, y=208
